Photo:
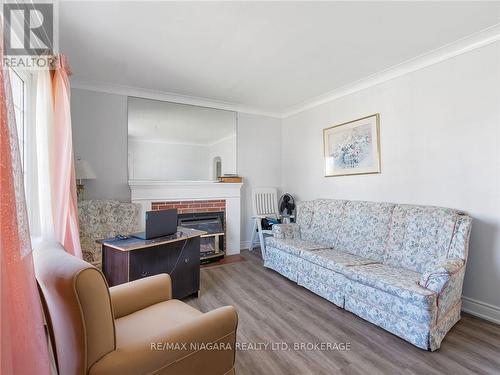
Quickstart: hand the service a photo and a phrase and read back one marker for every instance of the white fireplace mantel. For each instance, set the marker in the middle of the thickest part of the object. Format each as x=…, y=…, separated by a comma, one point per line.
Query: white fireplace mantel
x=145, y=192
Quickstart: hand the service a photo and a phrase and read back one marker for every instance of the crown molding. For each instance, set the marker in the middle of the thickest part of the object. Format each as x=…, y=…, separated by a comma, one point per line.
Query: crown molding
x=469, y=43
x=110, y=88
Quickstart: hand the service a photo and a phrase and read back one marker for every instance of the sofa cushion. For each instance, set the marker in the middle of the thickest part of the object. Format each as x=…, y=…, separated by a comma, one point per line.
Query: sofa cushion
x=420, y=236
x=400, y=282
x=293, y=247
x=365, y=229
x=333, y=259
x=286, y=231
x=305, y=212
x=326, y=222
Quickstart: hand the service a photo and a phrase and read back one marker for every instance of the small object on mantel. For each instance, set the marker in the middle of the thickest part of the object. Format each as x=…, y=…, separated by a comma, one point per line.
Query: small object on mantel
x=230, y=178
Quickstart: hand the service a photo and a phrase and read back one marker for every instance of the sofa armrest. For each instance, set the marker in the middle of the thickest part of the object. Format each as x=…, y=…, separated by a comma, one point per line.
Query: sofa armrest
x=436, y=277
x=204, y=345
x=138, y=294
x=286, y=231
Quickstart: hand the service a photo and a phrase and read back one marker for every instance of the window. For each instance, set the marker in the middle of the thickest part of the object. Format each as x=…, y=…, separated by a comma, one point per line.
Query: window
x=23, y=102
x=19, y=99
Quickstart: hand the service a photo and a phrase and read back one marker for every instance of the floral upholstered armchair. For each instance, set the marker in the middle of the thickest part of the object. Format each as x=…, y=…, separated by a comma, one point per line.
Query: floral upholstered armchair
x=104, y=219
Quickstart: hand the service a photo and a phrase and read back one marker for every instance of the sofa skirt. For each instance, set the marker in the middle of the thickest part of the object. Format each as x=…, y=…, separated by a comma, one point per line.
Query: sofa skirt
x=283, y=263
x=323, y=282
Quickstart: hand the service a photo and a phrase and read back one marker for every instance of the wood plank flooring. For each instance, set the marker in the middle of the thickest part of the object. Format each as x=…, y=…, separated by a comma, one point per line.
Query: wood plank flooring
x=226, y=260
x=272, y=309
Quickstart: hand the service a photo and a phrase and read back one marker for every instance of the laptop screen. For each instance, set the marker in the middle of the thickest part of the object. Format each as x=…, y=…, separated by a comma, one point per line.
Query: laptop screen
x=161, y=223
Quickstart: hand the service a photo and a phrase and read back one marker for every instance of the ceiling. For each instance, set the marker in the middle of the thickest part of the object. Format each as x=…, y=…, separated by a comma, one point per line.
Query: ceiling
x=158, y=121
x=270, y=56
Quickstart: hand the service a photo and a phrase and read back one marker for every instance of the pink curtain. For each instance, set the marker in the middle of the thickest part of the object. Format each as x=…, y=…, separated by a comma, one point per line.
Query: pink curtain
x=63, y=179
x=23, y=342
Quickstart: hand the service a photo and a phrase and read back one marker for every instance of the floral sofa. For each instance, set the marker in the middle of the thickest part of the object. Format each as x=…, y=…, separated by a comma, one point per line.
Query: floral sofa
x=398, y=266
x=101, y=219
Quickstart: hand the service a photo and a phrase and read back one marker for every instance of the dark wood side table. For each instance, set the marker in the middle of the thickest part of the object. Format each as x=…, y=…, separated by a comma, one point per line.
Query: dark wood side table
x=125, y=260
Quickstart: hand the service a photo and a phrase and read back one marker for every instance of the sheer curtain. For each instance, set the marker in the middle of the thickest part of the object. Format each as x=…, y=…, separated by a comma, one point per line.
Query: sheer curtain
x=44, y=148
x=23, y=346
x=56, y=181
x=64, y=206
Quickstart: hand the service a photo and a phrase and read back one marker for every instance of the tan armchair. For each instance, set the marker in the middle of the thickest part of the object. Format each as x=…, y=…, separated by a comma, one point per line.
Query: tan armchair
x=133, y=328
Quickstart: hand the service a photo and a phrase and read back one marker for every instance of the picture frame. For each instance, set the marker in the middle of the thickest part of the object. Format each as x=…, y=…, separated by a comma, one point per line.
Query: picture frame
x=353, y=147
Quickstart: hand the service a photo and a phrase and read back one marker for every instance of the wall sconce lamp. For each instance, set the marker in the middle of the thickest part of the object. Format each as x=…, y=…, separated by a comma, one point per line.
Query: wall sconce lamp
x=83, y=172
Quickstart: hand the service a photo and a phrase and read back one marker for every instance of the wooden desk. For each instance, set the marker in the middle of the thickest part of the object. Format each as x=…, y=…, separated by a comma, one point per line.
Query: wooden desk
x=178, y=255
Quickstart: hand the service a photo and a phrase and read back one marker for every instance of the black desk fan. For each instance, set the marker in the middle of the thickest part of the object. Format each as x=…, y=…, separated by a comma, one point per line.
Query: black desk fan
x=286, y=206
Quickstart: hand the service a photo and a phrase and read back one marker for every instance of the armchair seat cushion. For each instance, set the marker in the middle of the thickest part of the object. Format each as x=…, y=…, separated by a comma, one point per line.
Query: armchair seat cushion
x=293, y=247
x=335, y=260
x=172, y=338
x=400, y=282
x=152, y=323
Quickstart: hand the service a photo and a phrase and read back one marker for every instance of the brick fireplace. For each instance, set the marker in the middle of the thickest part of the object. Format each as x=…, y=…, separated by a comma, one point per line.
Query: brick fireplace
x=193, y=197
x=188, y=207
x=200, y=214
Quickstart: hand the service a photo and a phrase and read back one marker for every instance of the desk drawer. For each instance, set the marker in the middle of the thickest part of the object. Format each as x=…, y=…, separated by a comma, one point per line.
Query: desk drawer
x=185, y=269
x=148, y=262
x=181, y=260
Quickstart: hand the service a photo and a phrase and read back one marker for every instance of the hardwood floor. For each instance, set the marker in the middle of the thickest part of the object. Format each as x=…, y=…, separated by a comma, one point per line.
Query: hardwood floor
x=275, y=310
x=226, y=260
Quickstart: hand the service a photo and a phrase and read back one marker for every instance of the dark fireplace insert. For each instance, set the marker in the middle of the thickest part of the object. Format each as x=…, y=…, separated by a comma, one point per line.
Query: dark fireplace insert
x=212, y=244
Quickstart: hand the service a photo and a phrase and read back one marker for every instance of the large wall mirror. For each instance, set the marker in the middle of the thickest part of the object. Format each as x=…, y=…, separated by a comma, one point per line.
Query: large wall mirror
x=172, y=141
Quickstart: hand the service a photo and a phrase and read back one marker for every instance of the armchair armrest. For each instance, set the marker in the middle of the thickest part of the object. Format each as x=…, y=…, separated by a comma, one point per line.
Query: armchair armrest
x=138, y=294
x=436, y=277
x=286, y=231
x=204, y=345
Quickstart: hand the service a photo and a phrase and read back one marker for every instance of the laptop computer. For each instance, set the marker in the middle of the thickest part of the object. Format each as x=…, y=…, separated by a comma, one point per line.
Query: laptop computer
x=159, y=224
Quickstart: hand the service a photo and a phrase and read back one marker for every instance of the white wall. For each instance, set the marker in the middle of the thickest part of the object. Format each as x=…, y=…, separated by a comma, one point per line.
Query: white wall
x=259, y=161
x=167, y=161
x=100, y=136
x=440, y=145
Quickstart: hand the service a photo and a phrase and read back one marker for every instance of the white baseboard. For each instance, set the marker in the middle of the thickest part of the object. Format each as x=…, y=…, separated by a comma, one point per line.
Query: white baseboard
x=481, y=309
x=245, y=245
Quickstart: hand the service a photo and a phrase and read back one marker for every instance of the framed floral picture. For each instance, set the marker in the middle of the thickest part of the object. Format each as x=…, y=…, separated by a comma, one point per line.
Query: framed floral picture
x=352, y=147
